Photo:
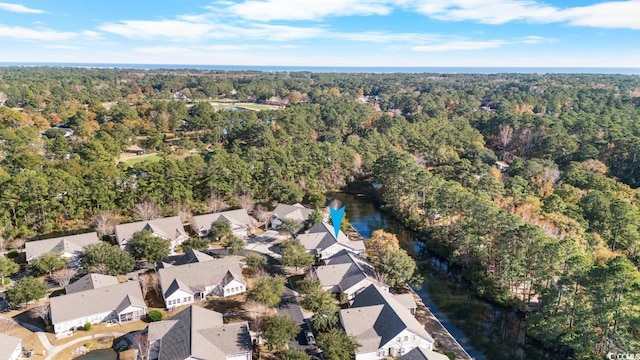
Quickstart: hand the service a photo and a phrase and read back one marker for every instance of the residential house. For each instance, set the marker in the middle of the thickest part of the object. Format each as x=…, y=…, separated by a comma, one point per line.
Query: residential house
x=115, y=303
x=321, y=241
x=187, y=283
x=407, y=301
x=241, y=223
x=10, y=347
x=382, y=326
x=169, y=228
x=295, y=212
x=423, y=354
x=198, y=333
x=68, y=246
x=90, y=282
x=347, y=273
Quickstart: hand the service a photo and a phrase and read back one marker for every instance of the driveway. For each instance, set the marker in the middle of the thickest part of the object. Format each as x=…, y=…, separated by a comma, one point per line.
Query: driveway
x=290, y=307
x=266, y=243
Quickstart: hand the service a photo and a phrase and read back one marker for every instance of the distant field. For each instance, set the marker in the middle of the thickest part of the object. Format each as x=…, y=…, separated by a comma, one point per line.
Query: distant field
x=220, y=105
x=141, y=158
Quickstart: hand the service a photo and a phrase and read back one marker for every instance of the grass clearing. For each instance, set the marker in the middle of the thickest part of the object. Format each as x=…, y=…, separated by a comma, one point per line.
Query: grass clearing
x=140, y=158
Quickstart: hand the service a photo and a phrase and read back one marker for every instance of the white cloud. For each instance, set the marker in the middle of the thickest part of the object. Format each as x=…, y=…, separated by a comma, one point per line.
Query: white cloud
x=608, y=14
x=534, y=40
x=17, y=8
x=61, y=47
x=148, y=29
x=489, y=11
x=459, y=45
x=313, y=10
x=24, y=33
x=615, y=14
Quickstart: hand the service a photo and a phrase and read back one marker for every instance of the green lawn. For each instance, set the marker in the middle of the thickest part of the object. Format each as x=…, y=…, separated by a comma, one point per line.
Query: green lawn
x=141, y=158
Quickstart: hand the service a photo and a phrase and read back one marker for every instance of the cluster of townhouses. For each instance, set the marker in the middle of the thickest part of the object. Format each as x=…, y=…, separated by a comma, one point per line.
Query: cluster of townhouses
x=383, y=323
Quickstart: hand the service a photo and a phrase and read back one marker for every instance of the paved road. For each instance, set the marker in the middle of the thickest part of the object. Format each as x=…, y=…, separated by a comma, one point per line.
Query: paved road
x=290, y=307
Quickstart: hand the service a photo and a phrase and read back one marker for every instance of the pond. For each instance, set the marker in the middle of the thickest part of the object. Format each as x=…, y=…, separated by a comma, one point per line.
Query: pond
x=484, y=330
x=102, y=354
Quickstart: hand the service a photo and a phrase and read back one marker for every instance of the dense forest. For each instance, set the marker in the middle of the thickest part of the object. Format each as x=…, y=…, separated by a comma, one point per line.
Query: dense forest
x=527, y=183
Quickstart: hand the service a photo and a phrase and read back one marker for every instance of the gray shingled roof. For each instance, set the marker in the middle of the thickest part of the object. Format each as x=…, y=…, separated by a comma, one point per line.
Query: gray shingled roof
x=239, y=218
x=199, y=333
x=423, y=354
x=406, y=300
x=375, y=318
x=59, y=245
x=295, y=212
x=90, y=282
x=321, y=236
x=344, y=270
x=197, y=276
x=192, y=256
x=95, y=301
x=7, y=345
x=169, y=228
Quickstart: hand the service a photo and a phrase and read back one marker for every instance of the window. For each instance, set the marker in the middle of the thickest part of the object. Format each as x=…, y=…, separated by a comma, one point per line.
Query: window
x=382, y=352
x=406, y=338
x=178, y=301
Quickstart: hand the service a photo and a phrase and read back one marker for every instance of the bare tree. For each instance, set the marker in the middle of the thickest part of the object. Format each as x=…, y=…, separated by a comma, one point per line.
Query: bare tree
x=216, y=203
x=41, y=311
x=148, y=282
x=146, y=210
x=506, y=134
x=63, y=276
x=526, y=140
x=105, y=222
x=141, y=341
x=263, y=215
x=246, y=202
x=3, y=98
x=100, y=269
x=7, y=324
x=184, y=212
x=17, y=243
x=335, y=203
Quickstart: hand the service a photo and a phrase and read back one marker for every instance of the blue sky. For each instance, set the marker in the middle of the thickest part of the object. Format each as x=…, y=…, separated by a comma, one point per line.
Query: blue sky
x=569, y=33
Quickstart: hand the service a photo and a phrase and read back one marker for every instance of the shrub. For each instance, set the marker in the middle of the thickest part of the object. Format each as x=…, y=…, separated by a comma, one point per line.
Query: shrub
x=89, y=344
x=12, y=254
x=87, y=326
x=155, y=315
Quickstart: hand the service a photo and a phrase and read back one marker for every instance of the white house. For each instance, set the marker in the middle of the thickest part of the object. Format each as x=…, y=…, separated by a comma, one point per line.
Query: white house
x=295, y=212
x=70, y=247
x=10, y=347
x=118, y=303
x=187, y=283
x=320, y=240
x=240, y=221
x=198, y=333
x=169, y=228
x=382, y=326
x=347, y=273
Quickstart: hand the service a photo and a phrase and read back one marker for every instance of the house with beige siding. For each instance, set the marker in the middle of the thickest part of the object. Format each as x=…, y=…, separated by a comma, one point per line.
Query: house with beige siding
x=382, y=326
x=241, y=222
x=198, y=333
x=169, y=228
x=321, y=241
x=117, y=303
x=70, y=247
x=193, y=281
x=10, y=347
